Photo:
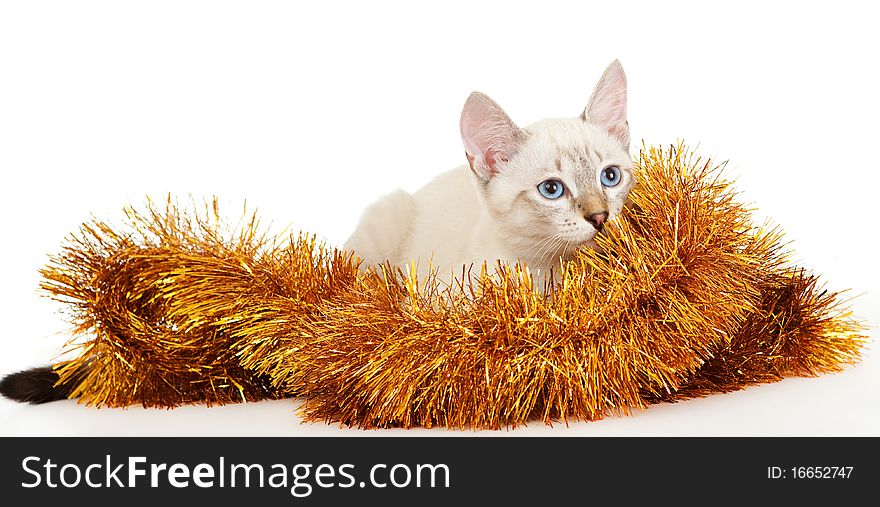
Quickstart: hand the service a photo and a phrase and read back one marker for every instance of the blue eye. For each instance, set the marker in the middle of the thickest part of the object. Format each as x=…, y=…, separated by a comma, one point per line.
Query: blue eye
x=551, y=189
x=610, y=176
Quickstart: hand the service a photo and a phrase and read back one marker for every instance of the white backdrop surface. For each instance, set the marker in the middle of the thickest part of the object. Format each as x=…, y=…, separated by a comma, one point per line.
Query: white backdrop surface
x=309, y=111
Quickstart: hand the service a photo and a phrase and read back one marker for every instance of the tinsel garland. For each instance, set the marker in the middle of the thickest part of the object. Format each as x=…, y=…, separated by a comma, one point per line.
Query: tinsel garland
x=684, y=297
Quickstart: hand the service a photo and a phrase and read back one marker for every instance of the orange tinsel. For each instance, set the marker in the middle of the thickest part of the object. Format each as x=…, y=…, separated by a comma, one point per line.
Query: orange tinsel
x=684, y=298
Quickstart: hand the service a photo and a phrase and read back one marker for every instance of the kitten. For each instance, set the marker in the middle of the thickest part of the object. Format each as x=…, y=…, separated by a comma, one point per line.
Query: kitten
x=533, y=195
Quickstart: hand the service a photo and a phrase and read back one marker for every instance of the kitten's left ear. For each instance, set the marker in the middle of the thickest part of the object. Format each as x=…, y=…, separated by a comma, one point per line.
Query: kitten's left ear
x=607, y=107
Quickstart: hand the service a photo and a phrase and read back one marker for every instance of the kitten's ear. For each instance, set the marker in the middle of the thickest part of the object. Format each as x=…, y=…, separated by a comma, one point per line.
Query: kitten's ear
x=490, y=137
x=607, y=107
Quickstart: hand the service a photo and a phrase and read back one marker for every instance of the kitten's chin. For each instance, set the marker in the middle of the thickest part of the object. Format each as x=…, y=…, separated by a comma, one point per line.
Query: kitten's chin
x=588, y=244
x=588, y=241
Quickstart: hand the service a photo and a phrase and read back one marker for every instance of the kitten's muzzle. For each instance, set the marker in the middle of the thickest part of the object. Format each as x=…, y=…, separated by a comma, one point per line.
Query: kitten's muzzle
x=597, y=219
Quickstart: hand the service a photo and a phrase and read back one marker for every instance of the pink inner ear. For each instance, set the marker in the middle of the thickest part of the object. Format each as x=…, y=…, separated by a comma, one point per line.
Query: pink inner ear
x=492, y=157
x=613, y=109
x=488, y=134
x=619, y=131
x=607, y=106
x=492, y=154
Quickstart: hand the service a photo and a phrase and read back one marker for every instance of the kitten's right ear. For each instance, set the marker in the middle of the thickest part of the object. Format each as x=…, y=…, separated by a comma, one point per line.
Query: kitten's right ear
x=490, y=137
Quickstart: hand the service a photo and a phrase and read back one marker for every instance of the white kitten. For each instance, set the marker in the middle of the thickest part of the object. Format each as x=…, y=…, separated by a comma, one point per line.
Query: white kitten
x=533, y=195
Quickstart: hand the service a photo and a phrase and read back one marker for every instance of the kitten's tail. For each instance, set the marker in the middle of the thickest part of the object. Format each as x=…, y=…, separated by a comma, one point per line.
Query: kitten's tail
x=383, y=228
x=37, y=385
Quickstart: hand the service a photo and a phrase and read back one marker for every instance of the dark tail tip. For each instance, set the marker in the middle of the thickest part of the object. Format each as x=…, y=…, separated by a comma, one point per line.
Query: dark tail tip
x=36, y=385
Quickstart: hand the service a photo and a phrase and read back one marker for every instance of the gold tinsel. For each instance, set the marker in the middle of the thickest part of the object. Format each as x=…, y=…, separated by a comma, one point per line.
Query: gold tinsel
x=684, y=298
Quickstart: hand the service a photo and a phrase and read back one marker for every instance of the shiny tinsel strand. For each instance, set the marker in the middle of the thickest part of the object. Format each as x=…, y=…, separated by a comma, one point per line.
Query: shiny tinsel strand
x=684, y=297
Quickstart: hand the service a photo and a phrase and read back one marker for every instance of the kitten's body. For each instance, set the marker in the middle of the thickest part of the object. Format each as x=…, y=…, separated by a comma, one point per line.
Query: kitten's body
x=491, y=210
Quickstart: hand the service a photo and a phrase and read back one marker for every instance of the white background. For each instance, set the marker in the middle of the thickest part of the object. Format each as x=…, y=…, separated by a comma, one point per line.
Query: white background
x=309, y=111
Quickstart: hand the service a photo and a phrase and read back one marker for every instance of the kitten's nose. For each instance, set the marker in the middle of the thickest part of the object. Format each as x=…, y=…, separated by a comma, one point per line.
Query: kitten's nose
x=597, y=219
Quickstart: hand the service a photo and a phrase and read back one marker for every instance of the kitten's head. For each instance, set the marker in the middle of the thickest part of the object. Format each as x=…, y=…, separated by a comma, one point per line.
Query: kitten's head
x=551, y=186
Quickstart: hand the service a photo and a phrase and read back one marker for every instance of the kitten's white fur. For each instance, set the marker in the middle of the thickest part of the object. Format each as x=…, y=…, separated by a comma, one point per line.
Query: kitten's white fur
x=491, y=209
